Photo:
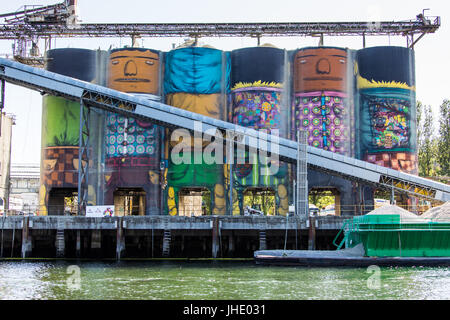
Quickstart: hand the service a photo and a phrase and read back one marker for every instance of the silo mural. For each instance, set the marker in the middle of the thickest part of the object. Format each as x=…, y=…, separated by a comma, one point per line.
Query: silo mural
x=320, y=98
x=60, y=132
x=196, y=79
x=322, y=106
x=132, y=173
x=387, y=128
x=258, y=101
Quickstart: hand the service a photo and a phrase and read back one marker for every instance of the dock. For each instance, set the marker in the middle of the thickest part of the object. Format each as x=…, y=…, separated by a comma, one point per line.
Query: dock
x=160, y=236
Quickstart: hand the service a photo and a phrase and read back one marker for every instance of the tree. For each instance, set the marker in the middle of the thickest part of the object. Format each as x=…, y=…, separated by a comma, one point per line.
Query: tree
x=443, y=152
x=425, y=140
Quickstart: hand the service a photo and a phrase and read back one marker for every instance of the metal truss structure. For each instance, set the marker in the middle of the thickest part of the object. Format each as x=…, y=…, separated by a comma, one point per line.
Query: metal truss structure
x=90, y=95
x=27, y=27
x=196, y=30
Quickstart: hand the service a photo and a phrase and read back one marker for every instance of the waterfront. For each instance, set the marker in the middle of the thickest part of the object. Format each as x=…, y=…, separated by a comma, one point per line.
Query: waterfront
x=218, y=280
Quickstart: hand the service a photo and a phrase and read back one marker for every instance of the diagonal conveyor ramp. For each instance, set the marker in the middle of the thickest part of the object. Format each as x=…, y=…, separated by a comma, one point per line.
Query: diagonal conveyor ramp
x=97, y=96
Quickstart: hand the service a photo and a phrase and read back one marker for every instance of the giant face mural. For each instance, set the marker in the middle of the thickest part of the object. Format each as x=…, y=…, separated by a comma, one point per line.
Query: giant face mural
x=320, y=104
x=132, y=145
x=134, y=70
x=320, y=69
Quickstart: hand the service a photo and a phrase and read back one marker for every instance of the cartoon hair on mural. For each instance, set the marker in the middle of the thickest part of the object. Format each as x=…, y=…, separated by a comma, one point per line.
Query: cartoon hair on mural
x=196, y=79
x=257, y=79
x=133, y=146
x=386, y=86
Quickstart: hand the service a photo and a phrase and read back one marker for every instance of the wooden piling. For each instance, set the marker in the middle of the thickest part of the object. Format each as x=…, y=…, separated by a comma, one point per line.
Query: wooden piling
x=78, y=244
x=312, y=233
x=120, y=244
x=215, y=237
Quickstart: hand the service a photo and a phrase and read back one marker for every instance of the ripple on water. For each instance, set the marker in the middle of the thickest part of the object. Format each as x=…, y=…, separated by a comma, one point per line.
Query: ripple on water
x=141, y=280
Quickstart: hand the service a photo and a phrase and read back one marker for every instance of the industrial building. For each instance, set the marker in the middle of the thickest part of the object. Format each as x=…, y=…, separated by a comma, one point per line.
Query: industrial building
x=357, y=103
x=112, y=185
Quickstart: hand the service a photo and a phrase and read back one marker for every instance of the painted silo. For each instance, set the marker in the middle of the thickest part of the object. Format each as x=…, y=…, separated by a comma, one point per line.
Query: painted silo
x=322, y=106
x=96, y=140
x=258, y=101
x=132, y=155
x=60, y=131
x=195, y=79
x=321, y=98
x=387, y=107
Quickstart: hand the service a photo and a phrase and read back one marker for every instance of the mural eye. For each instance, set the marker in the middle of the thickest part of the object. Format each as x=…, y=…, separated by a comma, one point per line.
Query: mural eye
x=150, y=63
x=303, y=61
x=115, y=62
x=342, y=61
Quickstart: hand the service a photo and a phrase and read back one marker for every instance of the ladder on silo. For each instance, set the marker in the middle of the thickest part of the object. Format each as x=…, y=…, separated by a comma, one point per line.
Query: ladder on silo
x=60, y=241
x=302, y=209
x=167, y=237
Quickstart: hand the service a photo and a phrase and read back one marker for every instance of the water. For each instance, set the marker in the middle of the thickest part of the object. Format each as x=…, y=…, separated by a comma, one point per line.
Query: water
x=214, y=280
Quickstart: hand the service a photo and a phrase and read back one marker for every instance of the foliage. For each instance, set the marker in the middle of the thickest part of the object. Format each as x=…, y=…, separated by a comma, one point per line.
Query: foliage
x=426, y=141
x=321, y=199
x=263, y=199
x=443, y=145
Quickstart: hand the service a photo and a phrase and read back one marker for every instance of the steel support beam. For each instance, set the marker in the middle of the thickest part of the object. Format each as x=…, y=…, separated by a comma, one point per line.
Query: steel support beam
x=83, y=158
x=2, y=101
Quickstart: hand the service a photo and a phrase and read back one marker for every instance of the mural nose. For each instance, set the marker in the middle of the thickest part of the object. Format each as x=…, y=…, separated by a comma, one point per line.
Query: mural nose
x=323, y=66
x=130, y=68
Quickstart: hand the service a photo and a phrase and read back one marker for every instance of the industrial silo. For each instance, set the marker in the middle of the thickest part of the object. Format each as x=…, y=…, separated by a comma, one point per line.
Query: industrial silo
x=322, y=106
x=387, y=107
x=259, y=101
x=386, y=86
x=196, y=79
x=60, y=132
x=133, y=147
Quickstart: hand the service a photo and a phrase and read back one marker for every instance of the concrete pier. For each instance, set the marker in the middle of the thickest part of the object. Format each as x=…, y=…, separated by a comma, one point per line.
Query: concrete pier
x=164, y=236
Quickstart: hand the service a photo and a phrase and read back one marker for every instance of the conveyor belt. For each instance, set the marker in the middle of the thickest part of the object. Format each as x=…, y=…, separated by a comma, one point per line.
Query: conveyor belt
x=100, y=97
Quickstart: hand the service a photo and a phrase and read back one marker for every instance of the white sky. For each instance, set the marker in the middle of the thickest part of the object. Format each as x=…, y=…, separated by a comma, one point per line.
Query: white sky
x=432, y=51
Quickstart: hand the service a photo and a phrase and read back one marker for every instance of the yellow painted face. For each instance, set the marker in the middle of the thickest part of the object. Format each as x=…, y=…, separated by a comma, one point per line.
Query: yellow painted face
x=134, y=71
x=266, y=107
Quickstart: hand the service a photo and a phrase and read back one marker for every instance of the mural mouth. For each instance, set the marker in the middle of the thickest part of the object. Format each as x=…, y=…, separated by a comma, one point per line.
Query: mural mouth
x=131, y=80
x=323, y=78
